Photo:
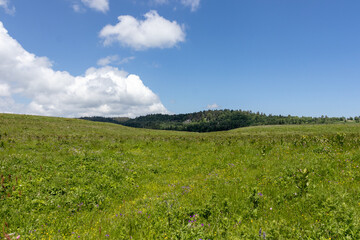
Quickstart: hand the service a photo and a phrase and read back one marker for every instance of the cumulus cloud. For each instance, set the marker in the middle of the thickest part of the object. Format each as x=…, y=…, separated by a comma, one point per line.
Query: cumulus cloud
x=213, y=106
x=114, y=59
x=98, y=5
x=105, y=91
x=153, y=32
x=193, y=4
x=5, y=5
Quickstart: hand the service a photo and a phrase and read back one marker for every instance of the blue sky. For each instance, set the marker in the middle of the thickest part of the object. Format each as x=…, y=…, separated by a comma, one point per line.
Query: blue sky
x=177, y=56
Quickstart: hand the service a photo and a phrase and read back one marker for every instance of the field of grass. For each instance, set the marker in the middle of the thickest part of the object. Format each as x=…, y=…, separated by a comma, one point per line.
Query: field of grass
x=74, y=179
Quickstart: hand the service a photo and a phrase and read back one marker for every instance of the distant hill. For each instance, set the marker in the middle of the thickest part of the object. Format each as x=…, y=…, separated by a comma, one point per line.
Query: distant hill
x=215, y=120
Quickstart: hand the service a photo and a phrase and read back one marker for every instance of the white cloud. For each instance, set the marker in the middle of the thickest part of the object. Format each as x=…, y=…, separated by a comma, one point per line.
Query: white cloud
x=5, y=5
x=212, y=106
x=114, y=59
x=153, y=32
x=193, y=4
x=4, y=90
x=98, y=5
x=105, y=91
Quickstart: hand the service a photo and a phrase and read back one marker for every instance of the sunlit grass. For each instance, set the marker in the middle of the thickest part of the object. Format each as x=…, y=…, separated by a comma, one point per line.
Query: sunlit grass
x=73, y=179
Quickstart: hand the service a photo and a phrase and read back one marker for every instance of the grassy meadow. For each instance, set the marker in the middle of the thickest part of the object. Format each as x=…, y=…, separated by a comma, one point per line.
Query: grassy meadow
x=74, y=179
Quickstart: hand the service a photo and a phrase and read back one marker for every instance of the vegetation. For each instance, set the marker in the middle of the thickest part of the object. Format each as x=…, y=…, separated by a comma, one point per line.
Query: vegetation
x=75, y=179
x=215, y=120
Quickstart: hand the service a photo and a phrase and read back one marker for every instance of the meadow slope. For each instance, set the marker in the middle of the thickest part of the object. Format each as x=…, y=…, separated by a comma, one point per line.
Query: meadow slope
x=75, y=179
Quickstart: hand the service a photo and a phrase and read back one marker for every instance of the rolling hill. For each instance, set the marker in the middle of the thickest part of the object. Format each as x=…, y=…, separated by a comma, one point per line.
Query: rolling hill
x=69, y=179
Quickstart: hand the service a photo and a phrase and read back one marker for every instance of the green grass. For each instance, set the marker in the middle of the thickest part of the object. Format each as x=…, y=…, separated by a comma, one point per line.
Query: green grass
x=70, y=179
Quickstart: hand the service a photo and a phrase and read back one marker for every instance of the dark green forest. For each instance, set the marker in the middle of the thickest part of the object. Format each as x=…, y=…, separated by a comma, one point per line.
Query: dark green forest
x=215, y=120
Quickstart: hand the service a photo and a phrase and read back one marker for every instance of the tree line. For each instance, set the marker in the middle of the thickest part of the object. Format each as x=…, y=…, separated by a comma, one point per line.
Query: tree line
x=215, y=120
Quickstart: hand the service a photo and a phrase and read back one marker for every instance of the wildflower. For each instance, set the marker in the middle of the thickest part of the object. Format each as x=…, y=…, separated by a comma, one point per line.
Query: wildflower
x=270, y=208
x=18, y=237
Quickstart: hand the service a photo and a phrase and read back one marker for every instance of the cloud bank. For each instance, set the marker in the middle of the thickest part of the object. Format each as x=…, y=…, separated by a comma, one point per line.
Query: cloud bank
x=29, y=85
x=153, y=32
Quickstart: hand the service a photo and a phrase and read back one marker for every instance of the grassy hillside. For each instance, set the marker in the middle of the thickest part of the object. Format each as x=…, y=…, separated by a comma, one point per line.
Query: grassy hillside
x=71, y=179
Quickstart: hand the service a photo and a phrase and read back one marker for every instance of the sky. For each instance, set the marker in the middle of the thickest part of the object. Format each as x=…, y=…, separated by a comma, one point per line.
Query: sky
x=73, y=58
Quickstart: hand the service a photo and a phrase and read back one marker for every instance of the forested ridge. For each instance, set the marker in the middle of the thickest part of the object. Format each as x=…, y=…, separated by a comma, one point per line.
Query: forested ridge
x=215, y=120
